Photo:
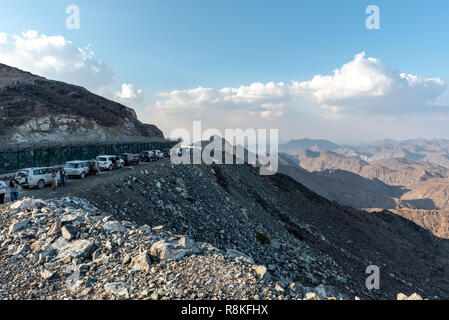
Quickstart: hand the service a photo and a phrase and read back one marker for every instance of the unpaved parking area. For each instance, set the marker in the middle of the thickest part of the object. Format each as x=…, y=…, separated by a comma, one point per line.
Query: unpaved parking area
x=74, y=186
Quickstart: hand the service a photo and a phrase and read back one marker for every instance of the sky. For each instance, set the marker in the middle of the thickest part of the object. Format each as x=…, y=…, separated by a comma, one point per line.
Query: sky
x=308, y=68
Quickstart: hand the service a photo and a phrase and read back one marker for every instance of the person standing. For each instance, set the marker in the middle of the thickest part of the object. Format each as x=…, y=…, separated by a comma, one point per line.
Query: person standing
x=2, y=191
x=54, y=179
x=62, y=177
x=14, y=190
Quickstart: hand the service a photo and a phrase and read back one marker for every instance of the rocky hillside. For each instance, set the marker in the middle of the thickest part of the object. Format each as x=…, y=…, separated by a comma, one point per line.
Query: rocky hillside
x=436, y=221
x=33, y=109
x=342, y=186
x=389, y=183
x=219, y=231
x=415, y=190
x=324, y=160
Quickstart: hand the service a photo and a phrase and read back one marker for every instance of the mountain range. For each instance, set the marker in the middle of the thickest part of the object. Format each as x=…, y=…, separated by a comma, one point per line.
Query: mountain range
x=434, y=150
x=410, y=177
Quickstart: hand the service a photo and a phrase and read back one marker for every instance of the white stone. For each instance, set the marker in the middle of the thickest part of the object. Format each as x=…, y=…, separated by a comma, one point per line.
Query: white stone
x=118, y=289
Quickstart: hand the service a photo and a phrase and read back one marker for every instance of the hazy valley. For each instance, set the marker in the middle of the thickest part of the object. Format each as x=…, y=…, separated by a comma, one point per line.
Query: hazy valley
x=410, y=177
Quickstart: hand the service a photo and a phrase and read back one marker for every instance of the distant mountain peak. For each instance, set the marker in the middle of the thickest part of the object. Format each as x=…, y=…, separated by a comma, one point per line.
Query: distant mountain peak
x=298, y=145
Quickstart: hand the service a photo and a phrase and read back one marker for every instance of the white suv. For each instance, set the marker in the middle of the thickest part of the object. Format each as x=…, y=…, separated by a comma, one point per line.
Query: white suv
x=159, y=154
x=77, y=169
x=35, y=177
x=110, y=162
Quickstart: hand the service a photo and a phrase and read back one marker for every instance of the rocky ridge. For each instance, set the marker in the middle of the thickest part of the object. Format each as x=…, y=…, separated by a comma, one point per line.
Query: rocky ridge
x=34, y=109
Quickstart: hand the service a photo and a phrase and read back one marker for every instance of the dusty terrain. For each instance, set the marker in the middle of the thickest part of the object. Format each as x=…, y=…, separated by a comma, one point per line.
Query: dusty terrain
x=226, y=218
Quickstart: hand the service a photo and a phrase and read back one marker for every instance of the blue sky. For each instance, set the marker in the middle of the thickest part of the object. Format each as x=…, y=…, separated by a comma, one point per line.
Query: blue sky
x=161, y=46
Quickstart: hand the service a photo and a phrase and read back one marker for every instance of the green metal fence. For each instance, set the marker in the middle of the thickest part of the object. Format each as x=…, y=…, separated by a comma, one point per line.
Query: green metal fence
x=14, y=157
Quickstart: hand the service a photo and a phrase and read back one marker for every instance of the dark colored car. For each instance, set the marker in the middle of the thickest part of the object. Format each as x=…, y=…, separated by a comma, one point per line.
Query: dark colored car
x=130, y=158
x=94, y=168
x=167, y=153
x=148, y=156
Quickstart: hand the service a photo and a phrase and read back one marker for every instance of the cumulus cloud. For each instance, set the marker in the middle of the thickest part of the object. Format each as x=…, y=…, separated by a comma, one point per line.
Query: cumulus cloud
x=57, y=58
x=267, y=100
x=128, y=93
x=369, y=85
x=362, y=85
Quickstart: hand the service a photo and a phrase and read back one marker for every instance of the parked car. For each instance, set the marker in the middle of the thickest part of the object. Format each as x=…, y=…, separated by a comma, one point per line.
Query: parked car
x=147, y=156
x=130, y=158
x=78, y=168
x=35, y=177
x=110, y=162
x=81, y=169
x=159, y=154
x=167, y=153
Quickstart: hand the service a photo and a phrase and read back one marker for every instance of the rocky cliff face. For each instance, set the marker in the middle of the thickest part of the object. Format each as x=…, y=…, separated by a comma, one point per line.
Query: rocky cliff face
x=33, y=109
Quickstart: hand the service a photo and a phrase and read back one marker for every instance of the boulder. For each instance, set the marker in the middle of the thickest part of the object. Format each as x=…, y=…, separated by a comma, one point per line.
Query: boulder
x=117, y=289
x=26, y=203
x=76, y=249
x=73, y=216
x=414, y=296
x=173, y=249
x=328, y=292
x=311, y=296
x=278, y=287
x=113, y=226
x=401, y=296
x=68, y=232
x=17, y=226
x=126, y=259
x=55, y=228
x=59, y=244
x=36, y=246
x=48, y=253
x=141, y=262
x=262, y=272
x=47, y=275
x=109, y=245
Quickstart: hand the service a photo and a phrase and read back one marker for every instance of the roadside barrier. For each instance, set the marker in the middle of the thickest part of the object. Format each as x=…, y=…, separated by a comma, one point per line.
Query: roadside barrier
x=48, y=154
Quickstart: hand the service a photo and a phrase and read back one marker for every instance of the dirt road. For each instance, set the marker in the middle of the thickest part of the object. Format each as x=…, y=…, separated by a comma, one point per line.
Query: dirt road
x=75, y=186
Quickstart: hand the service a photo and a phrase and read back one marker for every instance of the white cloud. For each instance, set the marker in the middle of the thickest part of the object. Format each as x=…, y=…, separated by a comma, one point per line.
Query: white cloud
x=270, y=110
x=362, y=85
x=365, y=84
x=267, y=100
x=128, y=93
x=57, y=58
